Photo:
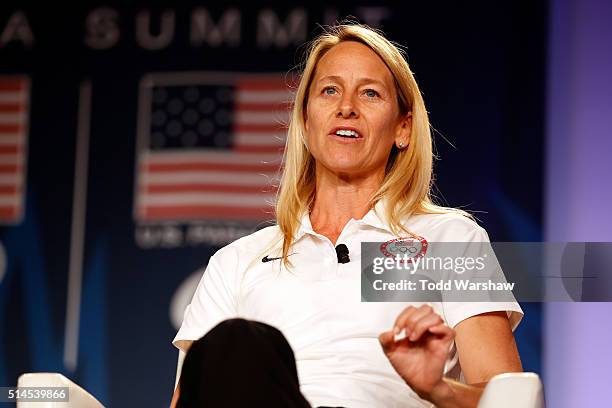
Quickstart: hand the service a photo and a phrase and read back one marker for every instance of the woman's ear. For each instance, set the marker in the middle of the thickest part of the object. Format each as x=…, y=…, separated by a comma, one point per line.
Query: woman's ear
x=403, y=133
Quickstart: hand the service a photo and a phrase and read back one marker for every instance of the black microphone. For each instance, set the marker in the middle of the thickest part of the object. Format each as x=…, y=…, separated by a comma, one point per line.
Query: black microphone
x=343, y=254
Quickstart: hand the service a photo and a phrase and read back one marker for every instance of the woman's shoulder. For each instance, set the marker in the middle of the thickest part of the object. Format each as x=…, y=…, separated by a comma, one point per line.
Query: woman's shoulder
x=232, y=260
x=446, y=226
x=252, y=244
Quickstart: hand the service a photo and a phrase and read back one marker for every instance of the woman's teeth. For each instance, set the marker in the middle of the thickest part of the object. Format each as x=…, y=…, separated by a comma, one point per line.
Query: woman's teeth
x=347, y=133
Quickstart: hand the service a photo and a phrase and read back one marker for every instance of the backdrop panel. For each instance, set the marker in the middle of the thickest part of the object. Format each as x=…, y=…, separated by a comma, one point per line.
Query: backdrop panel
x=135, y=140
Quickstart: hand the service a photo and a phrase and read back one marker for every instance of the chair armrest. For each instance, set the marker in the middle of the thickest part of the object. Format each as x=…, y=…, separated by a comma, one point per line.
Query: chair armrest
x=513, y=390
x=78, y=397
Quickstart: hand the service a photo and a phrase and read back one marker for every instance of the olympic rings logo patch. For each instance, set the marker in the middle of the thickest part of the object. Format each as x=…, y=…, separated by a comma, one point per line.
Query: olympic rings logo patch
x=407, y=248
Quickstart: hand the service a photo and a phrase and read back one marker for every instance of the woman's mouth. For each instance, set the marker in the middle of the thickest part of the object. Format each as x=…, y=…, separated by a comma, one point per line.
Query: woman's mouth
x=347, y=133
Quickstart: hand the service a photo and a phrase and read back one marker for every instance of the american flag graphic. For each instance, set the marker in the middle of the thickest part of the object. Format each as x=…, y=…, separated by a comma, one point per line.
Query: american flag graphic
x=14, y=106
x=209, y=146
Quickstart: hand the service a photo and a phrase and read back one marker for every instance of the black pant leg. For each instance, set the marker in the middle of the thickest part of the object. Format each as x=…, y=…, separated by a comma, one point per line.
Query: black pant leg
x=240, y=363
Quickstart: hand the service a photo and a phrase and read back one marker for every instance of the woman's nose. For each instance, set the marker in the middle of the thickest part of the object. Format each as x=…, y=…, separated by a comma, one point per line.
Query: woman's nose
x=347, y=108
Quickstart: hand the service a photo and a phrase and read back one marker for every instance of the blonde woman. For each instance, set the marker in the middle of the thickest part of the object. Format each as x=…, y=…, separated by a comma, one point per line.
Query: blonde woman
x=358, y=167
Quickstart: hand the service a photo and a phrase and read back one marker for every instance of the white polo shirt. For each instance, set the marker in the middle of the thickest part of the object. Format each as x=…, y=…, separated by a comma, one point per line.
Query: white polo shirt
x=317, y=306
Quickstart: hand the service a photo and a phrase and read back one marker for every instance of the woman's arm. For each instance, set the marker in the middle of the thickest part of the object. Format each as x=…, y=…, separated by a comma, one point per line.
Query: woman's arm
x=484, y=342
x=175, y=396
x=184, y=345
x=486, y=347
x=455, y=394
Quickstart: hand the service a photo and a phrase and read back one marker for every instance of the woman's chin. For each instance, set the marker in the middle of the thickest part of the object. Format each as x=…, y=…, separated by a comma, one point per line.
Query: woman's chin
x=348, y=170
x=348, y=165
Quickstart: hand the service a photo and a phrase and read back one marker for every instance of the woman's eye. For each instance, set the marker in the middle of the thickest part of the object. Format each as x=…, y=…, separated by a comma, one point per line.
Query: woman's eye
x=329, y=91
x=370, y=93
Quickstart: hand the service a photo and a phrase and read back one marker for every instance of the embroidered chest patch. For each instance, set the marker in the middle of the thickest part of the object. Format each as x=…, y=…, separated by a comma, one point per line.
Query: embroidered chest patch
x=408, y=248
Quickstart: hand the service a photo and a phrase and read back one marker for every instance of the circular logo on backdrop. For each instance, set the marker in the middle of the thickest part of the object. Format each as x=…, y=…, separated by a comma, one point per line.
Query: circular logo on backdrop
x=182, y=297
x=408, y=248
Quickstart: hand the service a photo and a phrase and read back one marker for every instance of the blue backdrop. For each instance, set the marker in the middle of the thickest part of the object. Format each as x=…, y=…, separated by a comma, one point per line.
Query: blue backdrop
x=73, y=82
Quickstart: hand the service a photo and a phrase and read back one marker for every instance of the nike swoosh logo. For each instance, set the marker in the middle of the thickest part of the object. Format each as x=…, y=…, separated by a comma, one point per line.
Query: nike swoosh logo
x=268, y=259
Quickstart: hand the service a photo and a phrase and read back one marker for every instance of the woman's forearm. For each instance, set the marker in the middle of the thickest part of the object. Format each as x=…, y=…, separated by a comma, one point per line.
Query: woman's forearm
x=175, y=396
x=453, y=394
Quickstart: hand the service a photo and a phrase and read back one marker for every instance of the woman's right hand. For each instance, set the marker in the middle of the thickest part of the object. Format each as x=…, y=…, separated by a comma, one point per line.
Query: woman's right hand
x=419, y=358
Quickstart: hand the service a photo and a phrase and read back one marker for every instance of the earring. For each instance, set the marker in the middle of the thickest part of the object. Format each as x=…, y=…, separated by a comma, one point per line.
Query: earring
x=401, y=145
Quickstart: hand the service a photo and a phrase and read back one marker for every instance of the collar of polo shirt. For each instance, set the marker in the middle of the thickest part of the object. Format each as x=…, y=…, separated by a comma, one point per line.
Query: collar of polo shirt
x=374, y=218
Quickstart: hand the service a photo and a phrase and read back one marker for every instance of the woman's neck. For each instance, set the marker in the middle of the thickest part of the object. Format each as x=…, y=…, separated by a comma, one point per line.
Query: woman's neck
x=338, y=199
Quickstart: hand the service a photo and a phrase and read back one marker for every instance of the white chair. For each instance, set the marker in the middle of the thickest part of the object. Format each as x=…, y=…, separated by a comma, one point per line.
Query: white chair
x=78, y=397
x=513, y=390
x=508, y=390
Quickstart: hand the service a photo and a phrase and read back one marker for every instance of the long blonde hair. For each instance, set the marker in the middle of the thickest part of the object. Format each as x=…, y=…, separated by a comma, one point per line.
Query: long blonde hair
x=408, y=179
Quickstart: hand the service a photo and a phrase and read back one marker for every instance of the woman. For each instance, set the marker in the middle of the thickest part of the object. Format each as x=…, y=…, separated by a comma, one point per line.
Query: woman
x=358, y=167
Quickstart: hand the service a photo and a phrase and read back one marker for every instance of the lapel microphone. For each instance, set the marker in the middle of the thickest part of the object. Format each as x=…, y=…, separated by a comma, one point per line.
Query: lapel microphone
x=343, y=254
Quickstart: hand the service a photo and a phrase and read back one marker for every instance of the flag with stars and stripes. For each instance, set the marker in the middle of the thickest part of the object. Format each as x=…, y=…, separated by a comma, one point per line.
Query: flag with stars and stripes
x=14, y=107
x=209, y=145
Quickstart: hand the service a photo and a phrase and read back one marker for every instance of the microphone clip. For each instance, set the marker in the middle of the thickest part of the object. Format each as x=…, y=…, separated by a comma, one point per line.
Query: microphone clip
x=342, y=253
